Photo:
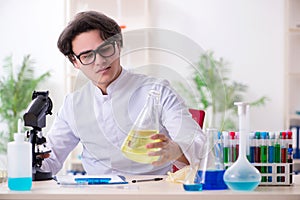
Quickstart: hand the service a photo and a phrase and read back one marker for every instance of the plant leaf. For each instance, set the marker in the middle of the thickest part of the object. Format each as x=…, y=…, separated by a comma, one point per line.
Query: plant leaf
x=16, y=91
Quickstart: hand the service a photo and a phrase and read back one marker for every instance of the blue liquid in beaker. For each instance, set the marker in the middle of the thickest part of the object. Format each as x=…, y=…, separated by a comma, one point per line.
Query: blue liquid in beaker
x=213, y=180
x=193, y=187
x=242, y=186
x=20, y=184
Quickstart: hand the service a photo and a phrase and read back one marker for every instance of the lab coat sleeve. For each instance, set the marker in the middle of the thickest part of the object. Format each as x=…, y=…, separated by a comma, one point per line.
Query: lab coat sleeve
x=60, y=138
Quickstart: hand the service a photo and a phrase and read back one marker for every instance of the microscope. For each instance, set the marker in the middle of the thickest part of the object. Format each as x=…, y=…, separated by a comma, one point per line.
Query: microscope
x=35, y=117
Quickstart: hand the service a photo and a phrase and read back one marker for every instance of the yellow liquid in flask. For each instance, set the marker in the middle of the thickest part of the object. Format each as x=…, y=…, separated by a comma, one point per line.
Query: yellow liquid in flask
x=134, y=146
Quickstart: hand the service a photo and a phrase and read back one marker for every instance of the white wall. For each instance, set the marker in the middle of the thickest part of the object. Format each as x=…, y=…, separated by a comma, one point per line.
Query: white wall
x=249, y=34
x=32, y=27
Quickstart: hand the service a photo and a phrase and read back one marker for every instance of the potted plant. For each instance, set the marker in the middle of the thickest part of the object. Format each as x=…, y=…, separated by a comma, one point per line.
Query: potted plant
x=16, y=87
x=217, y=93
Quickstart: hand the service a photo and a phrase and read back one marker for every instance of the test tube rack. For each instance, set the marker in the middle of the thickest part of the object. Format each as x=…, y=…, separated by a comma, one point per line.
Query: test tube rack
x=272, y=177
x=278, y=169
x=280, y=174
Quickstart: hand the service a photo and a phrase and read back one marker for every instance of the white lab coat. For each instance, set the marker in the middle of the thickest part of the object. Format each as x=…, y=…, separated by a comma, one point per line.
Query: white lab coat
x=101, y=123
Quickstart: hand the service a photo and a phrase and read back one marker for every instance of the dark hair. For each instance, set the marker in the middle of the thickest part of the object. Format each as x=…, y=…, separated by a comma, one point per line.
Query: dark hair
x=87, y=21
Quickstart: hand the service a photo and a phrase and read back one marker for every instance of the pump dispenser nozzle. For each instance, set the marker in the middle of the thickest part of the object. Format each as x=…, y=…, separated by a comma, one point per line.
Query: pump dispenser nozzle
x=19, y=126
x=19, y=137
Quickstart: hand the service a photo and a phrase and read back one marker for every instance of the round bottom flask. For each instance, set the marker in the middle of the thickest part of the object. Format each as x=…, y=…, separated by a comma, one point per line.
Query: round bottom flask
x=242, y=176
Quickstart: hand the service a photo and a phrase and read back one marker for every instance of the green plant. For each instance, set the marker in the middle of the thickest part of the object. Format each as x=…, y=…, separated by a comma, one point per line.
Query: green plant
x=217, y=93
x=16, y=88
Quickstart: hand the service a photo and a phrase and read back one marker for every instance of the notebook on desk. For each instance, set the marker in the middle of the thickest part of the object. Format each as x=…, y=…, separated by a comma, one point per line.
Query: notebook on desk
x=89, y=179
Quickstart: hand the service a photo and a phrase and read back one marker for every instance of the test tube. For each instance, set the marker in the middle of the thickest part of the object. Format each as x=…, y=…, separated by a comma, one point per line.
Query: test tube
x=252, y=147
x=257, y=149
x=271, y=153
x=237, y=145
x=226, y=148
x=263, y=154
x=218, y=151
x=283, y=148
x=232, y=157
x=277, y=157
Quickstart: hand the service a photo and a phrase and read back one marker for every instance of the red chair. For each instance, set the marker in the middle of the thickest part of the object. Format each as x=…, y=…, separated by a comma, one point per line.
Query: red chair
x=198, y=116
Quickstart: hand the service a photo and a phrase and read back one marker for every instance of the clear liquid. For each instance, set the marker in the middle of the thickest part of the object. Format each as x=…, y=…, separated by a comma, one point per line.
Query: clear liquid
x=134, y=147
x=192, y=187
x=242, y=186
x=20, y=184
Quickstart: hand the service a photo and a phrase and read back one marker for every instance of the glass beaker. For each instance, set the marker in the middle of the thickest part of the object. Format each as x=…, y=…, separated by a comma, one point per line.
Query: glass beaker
x=146, y=124
x=242, y=175
x=207, y=168
x=193, y=180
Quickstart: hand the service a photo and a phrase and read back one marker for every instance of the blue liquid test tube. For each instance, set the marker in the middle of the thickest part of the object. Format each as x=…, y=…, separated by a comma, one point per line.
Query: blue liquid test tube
x=219, y=151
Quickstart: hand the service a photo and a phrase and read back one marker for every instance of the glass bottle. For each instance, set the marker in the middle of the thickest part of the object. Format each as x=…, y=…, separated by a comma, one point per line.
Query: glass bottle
x=242, y=176
x=146, y=124
x=195, y=173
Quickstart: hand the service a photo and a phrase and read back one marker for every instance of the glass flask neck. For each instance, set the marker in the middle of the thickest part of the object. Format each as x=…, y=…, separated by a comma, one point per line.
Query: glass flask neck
x=242, y=145
x=148, y=117
x=242, y=175
x=153, y=105
x=243, y=112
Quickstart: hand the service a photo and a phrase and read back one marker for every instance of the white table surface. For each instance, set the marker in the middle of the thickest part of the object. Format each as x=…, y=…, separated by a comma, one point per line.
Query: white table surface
x=158, y=190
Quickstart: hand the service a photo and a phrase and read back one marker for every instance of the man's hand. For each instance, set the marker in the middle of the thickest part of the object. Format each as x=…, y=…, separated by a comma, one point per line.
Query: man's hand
x=169, y=150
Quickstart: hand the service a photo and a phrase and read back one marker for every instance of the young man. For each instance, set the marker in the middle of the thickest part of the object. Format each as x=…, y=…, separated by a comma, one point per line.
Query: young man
x=101, y=113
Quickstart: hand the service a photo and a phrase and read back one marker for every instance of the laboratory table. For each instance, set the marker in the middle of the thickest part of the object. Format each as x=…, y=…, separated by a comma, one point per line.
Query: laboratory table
x=160, y=190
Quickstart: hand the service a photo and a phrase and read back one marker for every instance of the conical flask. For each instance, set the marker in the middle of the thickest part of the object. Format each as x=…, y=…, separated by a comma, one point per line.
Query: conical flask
x=206, y=168
x=146, y=124
x=215, y=162
x=242, y=176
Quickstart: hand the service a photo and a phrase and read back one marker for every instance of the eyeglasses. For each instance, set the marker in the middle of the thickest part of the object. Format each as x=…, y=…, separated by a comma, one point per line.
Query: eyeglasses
x=105, y=50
